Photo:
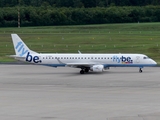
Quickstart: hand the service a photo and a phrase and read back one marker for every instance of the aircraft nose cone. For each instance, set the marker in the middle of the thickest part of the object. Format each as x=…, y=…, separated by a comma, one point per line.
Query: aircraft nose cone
x=153, y=62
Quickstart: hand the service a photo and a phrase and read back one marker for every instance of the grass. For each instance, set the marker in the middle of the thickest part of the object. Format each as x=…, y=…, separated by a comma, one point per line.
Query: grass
x=107, y=38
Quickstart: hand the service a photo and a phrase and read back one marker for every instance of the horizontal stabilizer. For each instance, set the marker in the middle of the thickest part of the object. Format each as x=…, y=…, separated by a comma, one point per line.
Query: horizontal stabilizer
x=17, y=57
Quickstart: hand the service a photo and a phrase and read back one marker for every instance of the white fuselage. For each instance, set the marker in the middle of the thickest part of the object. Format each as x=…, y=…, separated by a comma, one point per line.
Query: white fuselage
x=108, y=60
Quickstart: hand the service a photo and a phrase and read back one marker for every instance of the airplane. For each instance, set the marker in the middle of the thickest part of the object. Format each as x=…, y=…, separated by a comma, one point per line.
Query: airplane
x=86, y=62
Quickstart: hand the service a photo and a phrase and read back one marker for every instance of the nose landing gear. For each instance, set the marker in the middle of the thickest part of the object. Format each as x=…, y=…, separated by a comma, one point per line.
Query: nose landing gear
x=140, y=70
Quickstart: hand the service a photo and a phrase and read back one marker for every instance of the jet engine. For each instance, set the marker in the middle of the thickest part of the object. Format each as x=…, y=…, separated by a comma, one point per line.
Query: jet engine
x=97, y=68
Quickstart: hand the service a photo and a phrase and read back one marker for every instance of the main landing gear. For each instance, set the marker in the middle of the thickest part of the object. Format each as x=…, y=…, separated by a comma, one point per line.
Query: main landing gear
x=84, y=70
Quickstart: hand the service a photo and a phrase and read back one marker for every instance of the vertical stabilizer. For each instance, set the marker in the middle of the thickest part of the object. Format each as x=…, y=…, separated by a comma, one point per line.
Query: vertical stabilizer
x=20, y=47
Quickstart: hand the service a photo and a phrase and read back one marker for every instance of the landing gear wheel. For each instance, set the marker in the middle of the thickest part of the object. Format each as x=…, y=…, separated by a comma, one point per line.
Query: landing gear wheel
x=82, y=72
x=86, y=70
x=140, y=70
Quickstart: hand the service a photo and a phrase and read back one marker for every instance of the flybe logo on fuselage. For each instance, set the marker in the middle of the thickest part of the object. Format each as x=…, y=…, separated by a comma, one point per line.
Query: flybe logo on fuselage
x=123, y=60
x=30, y=58
x=20, y=49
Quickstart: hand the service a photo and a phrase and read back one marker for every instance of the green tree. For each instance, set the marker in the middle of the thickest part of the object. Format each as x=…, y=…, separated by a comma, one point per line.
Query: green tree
x=2, y=3
x=65, y=3
x=1, y=18
x=27, y=2
x=77, y=4
x=89, y=3
x=36, y=3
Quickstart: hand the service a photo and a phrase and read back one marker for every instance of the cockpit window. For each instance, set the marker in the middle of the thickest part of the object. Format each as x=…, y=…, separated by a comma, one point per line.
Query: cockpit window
x=145, y=57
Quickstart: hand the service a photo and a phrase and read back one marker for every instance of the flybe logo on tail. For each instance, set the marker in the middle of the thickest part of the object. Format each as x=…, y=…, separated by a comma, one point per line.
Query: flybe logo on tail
x=30, y=58
x=20, y=49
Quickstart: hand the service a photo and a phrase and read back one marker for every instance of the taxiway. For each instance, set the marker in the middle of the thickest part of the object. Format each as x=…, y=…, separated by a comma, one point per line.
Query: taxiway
x=30, y=92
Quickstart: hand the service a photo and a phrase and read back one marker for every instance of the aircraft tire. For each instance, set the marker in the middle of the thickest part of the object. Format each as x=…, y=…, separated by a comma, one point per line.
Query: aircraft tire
x=86, y=70
x=140, y=70
x=81, y=71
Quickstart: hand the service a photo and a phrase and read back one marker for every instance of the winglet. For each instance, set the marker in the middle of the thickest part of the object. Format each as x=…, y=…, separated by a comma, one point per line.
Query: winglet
x=79, y=52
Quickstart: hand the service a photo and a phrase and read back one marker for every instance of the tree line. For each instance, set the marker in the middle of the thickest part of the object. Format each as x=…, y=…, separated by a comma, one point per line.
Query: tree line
x=50, y=16
x=78, y=3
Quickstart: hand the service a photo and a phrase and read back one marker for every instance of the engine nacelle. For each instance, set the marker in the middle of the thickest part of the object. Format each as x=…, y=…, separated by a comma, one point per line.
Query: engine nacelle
x=97, y=68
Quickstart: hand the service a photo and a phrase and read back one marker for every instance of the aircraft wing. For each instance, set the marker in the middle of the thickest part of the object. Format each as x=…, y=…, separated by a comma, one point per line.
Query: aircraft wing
x=80, y=65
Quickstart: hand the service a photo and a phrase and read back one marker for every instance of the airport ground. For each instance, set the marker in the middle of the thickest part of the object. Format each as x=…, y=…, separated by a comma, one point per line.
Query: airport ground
x=30, y=92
